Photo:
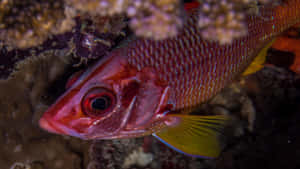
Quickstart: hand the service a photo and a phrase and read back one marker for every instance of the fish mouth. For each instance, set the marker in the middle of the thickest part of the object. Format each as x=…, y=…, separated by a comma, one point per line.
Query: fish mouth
x=46, y=125
x=54, y=127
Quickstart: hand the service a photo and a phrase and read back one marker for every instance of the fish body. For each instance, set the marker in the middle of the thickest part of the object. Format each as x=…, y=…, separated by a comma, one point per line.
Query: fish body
x=149, y=86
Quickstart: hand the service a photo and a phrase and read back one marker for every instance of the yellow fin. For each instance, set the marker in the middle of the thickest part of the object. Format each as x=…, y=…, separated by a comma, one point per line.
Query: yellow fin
x=194, y=135
x=259, y=60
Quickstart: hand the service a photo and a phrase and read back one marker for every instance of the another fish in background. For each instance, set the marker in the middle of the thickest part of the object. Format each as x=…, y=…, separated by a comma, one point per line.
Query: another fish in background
x=151, y=87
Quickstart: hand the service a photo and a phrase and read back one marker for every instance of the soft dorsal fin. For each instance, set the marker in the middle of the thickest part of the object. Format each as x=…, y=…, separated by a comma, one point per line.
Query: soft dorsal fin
x=73, y=79
x=258, y=62
x=197, y=136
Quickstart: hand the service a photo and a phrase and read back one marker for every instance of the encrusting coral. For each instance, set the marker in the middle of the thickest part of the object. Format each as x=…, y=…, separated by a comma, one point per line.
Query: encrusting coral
x=152, y=18
x=28, y=23
x=224, y=20
x=25, y=24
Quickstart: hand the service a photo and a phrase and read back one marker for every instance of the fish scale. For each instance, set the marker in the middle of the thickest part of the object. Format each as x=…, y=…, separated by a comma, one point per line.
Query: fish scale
x=188, y=61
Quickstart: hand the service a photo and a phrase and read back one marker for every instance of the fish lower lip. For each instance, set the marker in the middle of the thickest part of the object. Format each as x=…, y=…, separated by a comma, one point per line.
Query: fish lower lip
x=57, y=128
x=45, y=124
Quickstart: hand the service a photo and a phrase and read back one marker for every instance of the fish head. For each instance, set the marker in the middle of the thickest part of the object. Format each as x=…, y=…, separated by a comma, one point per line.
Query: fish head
x=111, y=100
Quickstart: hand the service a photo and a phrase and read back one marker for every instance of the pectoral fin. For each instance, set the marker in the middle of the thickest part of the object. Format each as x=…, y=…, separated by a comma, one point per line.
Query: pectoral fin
x=194, y=135
x=258, y=63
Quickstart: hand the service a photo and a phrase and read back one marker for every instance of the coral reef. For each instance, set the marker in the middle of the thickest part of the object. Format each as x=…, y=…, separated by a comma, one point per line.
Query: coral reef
x=224, y=20
x=84, y=44
x=88, y=42
x=22, y=101
x=152, y=19
x=39, y=21
x=275, y=94
x=138, y=157
x=27, y=78
x=9, y=57
x=28, y=23
x=122, y=154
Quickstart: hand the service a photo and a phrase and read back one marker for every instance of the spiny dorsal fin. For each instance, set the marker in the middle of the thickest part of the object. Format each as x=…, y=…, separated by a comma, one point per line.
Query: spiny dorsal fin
x=197, y=136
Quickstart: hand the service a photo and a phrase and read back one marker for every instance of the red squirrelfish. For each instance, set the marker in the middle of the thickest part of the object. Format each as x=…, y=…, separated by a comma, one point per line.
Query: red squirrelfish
x=150, y=87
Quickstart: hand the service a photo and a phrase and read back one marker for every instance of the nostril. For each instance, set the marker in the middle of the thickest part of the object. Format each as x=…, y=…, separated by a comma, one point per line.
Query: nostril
x=73, y=112
x=43, y=123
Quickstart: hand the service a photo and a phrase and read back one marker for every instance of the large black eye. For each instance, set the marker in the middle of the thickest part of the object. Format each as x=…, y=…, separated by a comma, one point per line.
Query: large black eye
x=98, y=102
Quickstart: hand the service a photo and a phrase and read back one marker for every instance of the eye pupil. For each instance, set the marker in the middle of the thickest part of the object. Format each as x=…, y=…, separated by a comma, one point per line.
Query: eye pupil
x=101, y=103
